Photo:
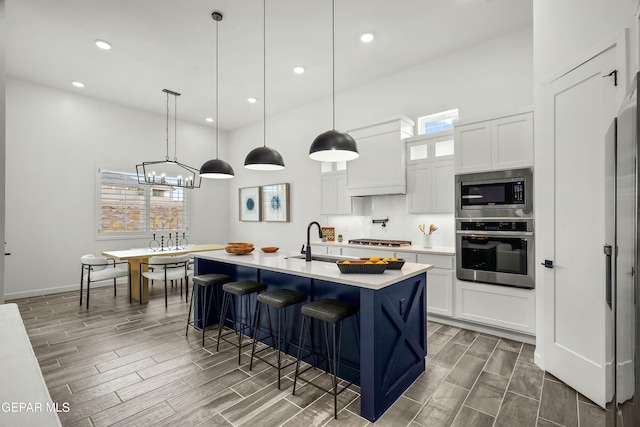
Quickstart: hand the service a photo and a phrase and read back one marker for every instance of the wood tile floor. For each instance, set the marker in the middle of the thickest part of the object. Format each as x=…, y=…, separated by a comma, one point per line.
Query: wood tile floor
x=131, y=365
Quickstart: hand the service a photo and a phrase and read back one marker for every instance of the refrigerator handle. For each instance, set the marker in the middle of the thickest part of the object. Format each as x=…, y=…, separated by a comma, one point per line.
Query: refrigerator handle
x=609, y=279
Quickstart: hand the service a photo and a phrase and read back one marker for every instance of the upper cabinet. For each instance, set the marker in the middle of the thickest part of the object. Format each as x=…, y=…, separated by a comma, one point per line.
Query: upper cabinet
x=333, y=190
x=381, y=167
x=495, y=143
x=430, y=177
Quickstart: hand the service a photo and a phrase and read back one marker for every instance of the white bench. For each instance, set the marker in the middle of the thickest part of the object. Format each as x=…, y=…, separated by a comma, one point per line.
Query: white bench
x=24, y=397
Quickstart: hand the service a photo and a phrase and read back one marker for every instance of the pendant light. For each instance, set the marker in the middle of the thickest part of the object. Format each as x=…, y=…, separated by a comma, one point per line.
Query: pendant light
x=264, y=158
x=216, y=168
x=167, y=172
x=333, y=145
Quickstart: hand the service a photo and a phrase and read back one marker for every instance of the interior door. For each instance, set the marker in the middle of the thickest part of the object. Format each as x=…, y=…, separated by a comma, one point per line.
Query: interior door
x=578, y=109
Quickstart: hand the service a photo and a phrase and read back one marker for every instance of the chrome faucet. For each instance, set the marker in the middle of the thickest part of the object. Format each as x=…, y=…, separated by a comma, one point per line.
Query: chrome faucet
x=308, y=251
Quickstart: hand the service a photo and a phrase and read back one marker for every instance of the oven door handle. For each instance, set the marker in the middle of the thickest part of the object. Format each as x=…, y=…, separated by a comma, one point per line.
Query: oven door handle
x=495, y=233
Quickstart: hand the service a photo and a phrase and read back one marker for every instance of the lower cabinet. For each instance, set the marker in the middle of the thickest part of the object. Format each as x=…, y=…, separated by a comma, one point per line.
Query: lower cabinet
x=500, y=306
x=439, y=283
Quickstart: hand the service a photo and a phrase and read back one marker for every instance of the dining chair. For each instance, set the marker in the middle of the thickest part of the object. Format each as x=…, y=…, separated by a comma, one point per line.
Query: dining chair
x=98, y=268
x=166, y=268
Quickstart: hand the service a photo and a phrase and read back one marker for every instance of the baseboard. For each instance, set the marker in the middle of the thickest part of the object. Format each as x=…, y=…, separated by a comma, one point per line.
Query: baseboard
x=59, y=289
x=512, y=335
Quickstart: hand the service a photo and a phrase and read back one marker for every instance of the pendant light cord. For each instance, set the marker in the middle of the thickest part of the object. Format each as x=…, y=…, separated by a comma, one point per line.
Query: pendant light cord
x=216, y=90
x=167, y=156
x=264, y=71
x=333, y=61
x=175, y=128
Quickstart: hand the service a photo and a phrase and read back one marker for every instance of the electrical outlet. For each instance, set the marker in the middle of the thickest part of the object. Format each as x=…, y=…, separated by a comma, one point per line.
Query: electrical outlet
x=402, y=305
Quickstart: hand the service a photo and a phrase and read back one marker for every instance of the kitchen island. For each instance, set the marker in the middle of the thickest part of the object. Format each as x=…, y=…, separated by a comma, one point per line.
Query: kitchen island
x=393, y=318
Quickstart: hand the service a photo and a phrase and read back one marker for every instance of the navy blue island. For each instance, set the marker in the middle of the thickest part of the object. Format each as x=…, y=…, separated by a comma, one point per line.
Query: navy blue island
x=393, y=317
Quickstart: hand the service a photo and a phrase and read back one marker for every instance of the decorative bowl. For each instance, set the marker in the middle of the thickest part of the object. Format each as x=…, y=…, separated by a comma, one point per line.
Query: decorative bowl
x=239, y=250
x=393, y=265
x=360, y=267
x=270, y=249
x=239, y=244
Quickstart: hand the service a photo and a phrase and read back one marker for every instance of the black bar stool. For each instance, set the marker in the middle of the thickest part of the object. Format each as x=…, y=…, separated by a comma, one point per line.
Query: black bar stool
x=207, y=296
x=328, y=311
x=280, y=299
x=242, y=289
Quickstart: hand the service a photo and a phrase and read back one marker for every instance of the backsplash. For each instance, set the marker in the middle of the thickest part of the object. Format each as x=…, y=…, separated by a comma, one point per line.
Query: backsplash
x=401, y=225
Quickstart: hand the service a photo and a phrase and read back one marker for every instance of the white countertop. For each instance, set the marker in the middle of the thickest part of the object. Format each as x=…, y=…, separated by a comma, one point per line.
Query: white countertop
x=436, y=250
x=315, y=269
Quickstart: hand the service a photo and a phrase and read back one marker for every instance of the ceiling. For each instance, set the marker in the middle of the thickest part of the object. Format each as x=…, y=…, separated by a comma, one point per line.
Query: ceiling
x=170, y=44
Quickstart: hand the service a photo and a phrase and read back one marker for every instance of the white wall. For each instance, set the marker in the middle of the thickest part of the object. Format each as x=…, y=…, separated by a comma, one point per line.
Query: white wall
x=55, y=140
x=495, y=76
x=565, y=30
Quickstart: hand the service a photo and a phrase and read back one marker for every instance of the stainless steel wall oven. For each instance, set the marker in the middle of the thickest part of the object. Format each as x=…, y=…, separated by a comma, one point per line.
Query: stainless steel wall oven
x=495, y=228
x=494, y=251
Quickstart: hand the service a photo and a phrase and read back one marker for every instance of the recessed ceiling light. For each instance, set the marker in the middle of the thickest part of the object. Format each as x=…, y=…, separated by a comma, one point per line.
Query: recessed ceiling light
x=103, y=44
x=209, y=119
x=366, y=37
x=78, y=84
x=252, y=100
x=298, y=70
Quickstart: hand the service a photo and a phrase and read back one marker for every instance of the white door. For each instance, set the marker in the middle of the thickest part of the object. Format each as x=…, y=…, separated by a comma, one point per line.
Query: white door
x=578, y=109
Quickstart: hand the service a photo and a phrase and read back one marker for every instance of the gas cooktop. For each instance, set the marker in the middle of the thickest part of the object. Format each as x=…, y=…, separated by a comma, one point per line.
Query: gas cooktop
x=380, y=242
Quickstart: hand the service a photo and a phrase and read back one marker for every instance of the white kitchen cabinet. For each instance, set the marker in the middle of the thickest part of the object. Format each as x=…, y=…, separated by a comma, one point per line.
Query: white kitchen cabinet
x=501, y=306
x=368, y=252
x=439, y=283
x=381, y=167
x=430, y=176
x=497, y=143
x=333, y=192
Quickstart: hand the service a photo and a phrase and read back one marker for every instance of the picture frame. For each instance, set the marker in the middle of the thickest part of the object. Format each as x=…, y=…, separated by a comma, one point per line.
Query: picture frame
x=275, y=202
x=250, y=204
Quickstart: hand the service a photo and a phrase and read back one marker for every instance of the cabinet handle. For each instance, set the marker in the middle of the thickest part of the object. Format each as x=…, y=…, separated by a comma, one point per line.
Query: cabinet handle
x=609, y=279
x=547, y=263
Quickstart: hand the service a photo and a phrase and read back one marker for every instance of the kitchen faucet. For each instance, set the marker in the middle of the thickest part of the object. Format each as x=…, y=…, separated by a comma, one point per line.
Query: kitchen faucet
x=308, y=251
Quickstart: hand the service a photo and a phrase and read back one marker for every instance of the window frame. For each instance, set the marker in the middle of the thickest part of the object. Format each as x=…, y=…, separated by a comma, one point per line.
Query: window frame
x=147, y=233
x=454, y=114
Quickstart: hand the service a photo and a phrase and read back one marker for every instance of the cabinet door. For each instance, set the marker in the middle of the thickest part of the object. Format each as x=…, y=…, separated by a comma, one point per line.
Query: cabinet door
x=440, y=292
x=328, y=195
x=472, y=144
x=512, y=141
x=343, y=202
x=420, y=188
x=442, y=186
x=501, y=306
x=380, y=169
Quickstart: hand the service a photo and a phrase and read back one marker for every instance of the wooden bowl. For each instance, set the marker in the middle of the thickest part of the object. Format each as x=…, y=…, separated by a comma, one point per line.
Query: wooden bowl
x=239, y=244
x=239, y=250
x=270, y=249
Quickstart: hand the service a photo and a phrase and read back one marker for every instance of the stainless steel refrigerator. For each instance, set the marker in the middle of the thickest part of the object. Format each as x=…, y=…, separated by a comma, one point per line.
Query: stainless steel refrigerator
x=621, y=254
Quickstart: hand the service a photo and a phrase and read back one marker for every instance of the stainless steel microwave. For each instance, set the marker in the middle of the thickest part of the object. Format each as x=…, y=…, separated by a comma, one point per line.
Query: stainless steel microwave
x=495, y=194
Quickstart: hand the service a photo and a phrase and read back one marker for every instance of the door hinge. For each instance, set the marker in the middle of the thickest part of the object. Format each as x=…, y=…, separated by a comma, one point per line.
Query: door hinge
x=614, y=73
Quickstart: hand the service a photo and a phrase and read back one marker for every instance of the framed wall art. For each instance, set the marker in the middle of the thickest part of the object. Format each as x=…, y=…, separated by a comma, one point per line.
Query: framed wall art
x=275, y=202
x=250, y=204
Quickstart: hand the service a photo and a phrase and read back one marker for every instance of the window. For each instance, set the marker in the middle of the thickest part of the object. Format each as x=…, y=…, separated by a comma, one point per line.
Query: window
x=129, y=209
x=437, y=122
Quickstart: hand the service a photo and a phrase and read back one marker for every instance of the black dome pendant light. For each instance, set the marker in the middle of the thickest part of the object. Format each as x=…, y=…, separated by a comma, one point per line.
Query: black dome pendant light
x=264, y=158
x=333, y=145
x=216, y=168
